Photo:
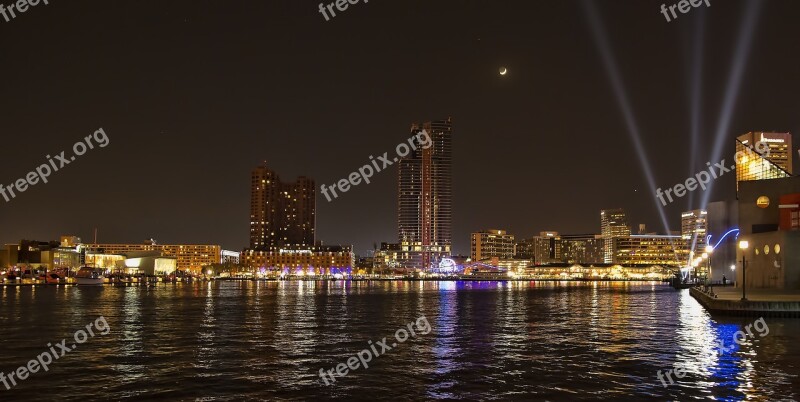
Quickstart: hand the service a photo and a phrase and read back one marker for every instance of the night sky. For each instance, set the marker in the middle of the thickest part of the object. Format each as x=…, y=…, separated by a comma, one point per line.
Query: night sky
x=194, y=94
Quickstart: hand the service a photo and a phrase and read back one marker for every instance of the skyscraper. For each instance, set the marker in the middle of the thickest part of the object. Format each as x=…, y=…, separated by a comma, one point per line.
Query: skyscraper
x=546, y=248
x=694, y=231
x=613, y=223
x=424, y=214
x=282, y=215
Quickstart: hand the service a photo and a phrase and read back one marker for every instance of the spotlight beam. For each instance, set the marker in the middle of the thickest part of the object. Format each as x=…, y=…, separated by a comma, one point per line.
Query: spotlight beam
x=739, y=62
x=604, y=48
x=695, y=73
x=695, y=82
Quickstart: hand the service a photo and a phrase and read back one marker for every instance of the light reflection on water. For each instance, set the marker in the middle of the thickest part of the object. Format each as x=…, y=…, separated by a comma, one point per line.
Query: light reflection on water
x=490, y=340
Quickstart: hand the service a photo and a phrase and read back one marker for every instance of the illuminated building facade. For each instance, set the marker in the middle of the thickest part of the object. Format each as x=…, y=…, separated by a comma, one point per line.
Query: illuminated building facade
x=42, y=255
x=111, y=262
x=424, y=216
x=648, y=250
x=189, y=257
x=230, y=257
x=613, y=223
x=512, y=265
x=598, y=271
x=546, y=248
x=492, y=243
x=316, y=260
x=694, y=231
x=753, y=166
x=582, y=249
x=388, y=256
x=524, y=249
x=282, y=215
x=133, y=263
x=780, y=147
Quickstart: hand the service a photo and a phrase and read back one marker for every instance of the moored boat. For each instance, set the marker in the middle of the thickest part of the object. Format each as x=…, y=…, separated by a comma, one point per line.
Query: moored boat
x=89, y=276
x=52, y=278
x=487, y=275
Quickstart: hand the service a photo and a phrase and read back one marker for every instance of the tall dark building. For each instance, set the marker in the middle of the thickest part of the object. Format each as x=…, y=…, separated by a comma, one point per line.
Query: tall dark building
x=282, y=215
x=425, y=198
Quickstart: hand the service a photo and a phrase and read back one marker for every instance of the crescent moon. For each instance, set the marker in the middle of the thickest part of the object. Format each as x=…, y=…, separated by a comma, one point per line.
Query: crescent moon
x=503, y=71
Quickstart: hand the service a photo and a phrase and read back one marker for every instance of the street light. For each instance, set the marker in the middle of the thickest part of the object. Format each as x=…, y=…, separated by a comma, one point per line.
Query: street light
x=744, y=244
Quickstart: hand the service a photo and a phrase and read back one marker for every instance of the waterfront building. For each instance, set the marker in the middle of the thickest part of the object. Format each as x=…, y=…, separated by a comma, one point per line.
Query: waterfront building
x=189, y=257
x=149, y=263
x=230, y=257
x=515, y=265
x=775, y=165
x=70, y=257
x=546, y=248
x=424, y=216
x=492, y=243
x=388, y=256
x=365, y=264
x=582, y=249
x=328, y=260
x=41, y=255
x=613, y=223
x=769, y=220
x=648, y=250
x=110, y=262
x=599, y=271
x=133, y=263
x=523, y=249
x=282, y=215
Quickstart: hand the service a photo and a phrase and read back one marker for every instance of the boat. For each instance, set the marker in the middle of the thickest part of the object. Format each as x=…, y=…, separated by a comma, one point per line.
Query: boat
x=485, y=275
x=89, y=276
x=52, y=278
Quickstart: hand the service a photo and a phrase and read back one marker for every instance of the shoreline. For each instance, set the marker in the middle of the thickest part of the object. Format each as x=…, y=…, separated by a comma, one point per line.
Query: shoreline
x=150, y=283
x=758, y=304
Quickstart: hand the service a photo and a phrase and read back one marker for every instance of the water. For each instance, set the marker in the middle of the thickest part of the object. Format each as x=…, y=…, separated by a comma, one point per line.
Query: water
x=488, y=340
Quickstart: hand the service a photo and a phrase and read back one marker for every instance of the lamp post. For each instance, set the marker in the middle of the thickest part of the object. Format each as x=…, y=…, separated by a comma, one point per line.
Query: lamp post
x=743, y=245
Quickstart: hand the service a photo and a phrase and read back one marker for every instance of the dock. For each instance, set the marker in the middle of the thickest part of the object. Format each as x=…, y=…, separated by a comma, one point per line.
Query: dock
x=760, y=302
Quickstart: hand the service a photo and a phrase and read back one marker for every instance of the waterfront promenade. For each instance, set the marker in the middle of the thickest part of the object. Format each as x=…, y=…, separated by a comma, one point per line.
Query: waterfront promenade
x=765, y=302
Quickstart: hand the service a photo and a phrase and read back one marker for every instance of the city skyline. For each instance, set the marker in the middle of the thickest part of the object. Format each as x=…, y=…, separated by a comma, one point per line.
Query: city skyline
x=399, y=200
x=300, y=231
x=178, y=168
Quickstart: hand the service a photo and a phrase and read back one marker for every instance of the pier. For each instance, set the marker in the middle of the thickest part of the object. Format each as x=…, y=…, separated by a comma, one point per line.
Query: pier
x=760, y=302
